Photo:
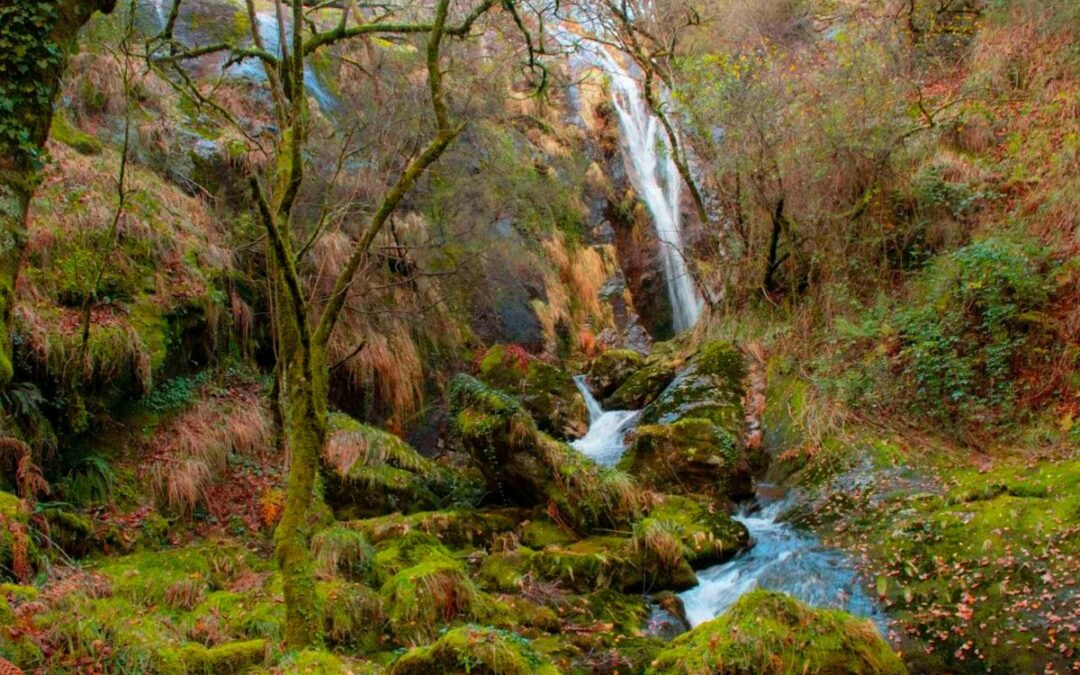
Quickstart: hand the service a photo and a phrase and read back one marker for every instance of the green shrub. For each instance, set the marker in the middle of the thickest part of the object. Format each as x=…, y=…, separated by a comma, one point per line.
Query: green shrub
x=961, y=346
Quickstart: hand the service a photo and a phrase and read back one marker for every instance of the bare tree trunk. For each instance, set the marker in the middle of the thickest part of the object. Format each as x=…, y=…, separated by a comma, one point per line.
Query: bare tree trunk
x=37, y=36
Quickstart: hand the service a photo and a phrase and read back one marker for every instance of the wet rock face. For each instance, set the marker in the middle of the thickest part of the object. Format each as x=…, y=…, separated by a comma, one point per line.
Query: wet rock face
x=643, y=387
x=548, y=393
x=611, y=369
x=771, y=633
x=690, y=438
x=690, y=456
x=710, y=387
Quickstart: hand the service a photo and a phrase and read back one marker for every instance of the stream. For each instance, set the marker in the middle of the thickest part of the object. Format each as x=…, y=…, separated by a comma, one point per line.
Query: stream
x=780, y=558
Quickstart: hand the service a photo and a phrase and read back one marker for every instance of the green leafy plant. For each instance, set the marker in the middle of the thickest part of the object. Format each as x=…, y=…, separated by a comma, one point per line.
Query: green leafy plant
x=962, y=345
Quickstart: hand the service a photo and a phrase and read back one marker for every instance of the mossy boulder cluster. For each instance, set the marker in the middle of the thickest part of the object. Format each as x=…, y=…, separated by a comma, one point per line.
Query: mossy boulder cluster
x=524, y=466
x=768, y=633
x=690, y=437
x=371, y=472
x=611, y=369
x=547, y=392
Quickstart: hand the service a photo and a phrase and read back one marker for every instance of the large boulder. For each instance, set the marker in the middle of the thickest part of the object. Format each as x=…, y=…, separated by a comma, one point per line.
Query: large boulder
x=611, y=369
x=372, y=472
x=474, y=649
x=690, y=456
x=769, y=633
x=547, y=392
x=526, y=467
x=710, y=387
x=678, y=535
x=642, y=387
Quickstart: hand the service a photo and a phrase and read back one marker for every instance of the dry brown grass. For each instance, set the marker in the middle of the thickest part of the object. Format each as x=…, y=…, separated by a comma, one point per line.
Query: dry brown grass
x=192, y=451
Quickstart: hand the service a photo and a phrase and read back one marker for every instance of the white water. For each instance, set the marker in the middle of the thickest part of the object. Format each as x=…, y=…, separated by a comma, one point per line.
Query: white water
x=782, y=559
x=653, y=174
x=271, y=38
x=605, y=440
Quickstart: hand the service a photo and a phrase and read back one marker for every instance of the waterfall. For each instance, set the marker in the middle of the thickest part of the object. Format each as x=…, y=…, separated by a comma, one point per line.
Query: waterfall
x=653, y=174
x=606, y=440
x=254, y=69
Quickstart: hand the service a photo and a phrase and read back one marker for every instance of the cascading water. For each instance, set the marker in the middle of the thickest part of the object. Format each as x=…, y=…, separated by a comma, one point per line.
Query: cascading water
x=605, y=442
x=653, y=174
x=254, y=69
x=782, y=559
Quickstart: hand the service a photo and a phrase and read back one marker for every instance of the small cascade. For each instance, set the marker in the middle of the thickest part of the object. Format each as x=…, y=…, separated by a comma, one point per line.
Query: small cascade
x=782, y=559
x=254, y=69
x=653, y=174
x=605, y=441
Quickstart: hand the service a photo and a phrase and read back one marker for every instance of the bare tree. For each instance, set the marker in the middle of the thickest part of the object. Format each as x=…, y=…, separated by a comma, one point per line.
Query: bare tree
x=302, y=325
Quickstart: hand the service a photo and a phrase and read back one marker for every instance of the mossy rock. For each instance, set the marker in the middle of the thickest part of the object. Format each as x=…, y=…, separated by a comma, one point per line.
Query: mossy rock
x=524, y=466
x=610, y=370
x=373, y=472
x=343, y=552
x=710, y=387
x=506, y=571
x=709, y=535
x=178, y=578
x=547, y=392
x=315, y=662
x=641, y=388
x=456, y=528
x=541, y=532
x=431, y=594
x=618, y=563
x=354, y=616
x=75, y=138
x=474, y=650
x=232, y=657
x=689, y=456
x=18, y=553
x=770, y=633
x=395, y=554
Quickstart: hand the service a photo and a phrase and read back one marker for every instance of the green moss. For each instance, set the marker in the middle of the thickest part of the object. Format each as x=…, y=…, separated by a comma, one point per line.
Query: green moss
x=710, y=387
x=690, y=455
x=457, y=528
x=770, y=633
x=641, y=388
x=541, y=532
x=709, y=535
x=64, y=131
x=374, y=472
x=611, y=369
x=178, y=578
x=341, y=551
x=971, y=548
x=313, y=662
x=434, y=592
x=548, y=393
x=527, y=467
x=592, y=563
x=410, y=548
x=355, y=616
x=505, y=571
x=474, y=649
x=233, y=657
